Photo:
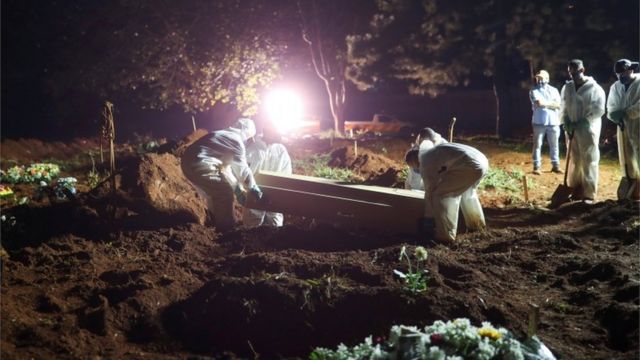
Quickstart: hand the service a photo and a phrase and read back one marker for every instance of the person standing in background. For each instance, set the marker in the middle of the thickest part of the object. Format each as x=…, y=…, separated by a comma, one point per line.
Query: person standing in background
x=623, y=108
x=582, y=103
x=545, y=103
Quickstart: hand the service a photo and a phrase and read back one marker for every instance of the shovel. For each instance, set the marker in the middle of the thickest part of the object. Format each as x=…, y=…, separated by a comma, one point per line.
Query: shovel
x=563, y=192
x=626, y=183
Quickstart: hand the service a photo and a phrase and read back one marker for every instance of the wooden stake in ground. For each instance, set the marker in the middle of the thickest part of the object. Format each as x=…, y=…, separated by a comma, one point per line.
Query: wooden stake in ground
x=355, y=148
x=451, y=125
x=525, y=186
x=109, y=133
x=534, y=319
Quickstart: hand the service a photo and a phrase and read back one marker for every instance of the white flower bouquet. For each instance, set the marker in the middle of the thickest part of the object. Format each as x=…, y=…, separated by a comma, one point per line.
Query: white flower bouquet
x=451, y=340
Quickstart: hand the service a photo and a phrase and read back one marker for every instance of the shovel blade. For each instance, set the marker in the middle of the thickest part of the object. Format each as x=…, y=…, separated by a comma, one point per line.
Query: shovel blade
x=625, y=187
x=560, y=196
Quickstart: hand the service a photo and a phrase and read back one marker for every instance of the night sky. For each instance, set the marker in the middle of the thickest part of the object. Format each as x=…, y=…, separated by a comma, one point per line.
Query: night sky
x=52, y=53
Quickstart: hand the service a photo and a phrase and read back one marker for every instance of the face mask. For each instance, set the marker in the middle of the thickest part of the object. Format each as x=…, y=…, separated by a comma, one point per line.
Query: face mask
x=624, y=78
x=575, y=75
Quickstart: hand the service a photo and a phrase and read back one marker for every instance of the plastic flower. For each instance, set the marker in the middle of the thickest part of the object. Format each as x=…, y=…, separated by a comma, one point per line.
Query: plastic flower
x=5, y=191
x=436, y=339
x=490, y=333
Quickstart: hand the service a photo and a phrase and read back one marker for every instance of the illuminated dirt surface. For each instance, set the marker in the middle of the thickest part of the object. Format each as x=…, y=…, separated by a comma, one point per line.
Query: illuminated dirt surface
x=130, y=275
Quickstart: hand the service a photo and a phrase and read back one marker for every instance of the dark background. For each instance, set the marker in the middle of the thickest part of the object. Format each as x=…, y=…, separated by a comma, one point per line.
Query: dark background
x=31, y=33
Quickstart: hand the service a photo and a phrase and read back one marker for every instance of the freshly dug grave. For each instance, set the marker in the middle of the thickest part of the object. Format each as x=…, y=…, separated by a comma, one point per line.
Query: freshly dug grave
x=125, y=275
x=376, y=169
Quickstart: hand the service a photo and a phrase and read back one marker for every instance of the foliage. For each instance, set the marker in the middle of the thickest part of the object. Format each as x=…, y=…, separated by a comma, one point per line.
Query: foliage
x=193, y=54
x=415, y=280
x=328, y=172
x=434, y=45
x=325, y=28
x=93, y=178
x=307, y=166
x=403, y=174
x=499, y=179
x=31, y=174
x=60, y=189
x=456, y=339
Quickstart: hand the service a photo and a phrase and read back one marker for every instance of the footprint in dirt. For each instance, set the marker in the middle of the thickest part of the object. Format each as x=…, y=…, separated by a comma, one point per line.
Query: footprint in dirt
x=621, y=322
x=602, y=272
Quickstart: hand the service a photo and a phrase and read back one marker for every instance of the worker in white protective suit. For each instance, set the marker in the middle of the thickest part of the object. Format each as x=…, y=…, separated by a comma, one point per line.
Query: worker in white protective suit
x=623, y=108
x=216, y=165
x=582, y=103
x=451, y=173
x=426, y=139
x=270, y=157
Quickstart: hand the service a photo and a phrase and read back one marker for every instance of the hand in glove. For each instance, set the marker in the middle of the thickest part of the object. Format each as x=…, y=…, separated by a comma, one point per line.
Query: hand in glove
x=582, y=123
x=256, y=192
x=618, y=118
x=241, y=195
x=569, y=127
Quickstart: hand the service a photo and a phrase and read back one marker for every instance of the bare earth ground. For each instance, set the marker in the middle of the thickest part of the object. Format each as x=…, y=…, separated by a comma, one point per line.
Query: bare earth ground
x=122, y=276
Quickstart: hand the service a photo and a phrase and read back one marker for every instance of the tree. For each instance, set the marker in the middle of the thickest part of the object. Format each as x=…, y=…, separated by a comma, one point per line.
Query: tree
x=434, y=45
x=325, y=28
x=193, y=54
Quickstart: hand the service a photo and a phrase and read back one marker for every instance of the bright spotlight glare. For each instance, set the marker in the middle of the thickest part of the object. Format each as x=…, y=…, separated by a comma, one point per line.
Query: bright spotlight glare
x=284, y=109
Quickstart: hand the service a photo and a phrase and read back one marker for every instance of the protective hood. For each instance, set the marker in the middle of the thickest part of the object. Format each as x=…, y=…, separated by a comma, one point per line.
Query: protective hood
x=431, y=140
x=245, y=127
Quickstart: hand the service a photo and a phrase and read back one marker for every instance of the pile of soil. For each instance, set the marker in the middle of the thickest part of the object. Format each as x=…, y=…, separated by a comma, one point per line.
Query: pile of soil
x=376, y=169
x=124, y=275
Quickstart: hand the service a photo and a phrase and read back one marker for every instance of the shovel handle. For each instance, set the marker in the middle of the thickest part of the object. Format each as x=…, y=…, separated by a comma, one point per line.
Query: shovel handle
x=622, y=146
x=566, y=166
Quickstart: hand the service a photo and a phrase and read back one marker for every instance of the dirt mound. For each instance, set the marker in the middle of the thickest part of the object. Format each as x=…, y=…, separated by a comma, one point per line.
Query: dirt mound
x=376, y=169
x=133, y=274
x=184, y=290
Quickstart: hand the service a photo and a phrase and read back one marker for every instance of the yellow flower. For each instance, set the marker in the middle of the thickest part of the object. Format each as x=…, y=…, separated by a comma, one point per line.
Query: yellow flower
x=492, y=334
x=5, y=191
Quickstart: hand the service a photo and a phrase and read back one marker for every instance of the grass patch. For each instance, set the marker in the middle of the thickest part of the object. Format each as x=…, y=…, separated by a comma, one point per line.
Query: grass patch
x=344, y=175
x=308, y=165
x=500, y=180
x=317, y=166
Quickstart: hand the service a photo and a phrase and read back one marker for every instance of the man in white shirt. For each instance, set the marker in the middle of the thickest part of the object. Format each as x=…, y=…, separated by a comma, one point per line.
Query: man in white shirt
x=545, y=103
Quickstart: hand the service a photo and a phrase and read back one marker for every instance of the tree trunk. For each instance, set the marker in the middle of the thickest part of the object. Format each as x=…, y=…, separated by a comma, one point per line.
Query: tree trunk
x=337, y=99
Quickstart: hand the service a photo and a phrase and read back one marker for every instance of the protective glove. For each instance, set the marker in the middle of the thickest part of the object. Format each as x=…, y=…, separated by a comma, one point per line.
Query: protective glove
x=618, y=118
x=240, y=194
x=568, y=126
x=582, y=123
x=256, y=192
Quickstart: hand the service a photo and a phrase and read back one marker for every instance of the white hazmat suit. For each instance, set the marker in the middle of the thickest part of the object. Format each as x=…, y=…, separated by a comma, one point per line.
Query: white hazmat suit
x=628, y=101
x=583, y=110
x=414, y=179
x=215, y=164
x=273, y=157
x=451, y=173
